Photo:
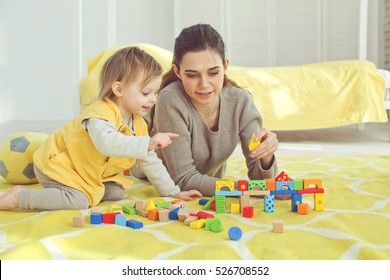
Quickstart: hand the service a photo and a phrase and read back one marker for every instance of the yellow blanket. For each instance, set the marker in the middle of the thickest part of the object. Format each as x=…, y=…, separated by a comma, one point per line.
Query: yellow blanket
x=354, y=225
x=300, y=97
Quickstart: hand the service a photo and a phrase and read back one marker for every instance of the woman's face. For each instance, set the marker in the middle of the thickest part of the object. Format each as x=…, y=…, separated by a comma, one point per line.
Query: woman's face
x=202, y=74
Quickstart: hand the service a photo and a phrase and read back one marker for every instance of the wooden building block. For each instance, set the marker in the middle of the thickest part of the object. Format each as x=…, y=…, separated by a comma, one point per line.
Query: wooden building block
x=78, y=221
x=277, y=226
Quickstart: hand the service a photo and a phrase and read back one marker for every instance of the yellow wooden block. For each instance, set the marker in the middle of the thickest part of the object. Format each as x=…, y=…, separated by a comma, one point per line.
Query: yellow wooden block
x=115, y=208
x=150, y=205
x=198, y=223
x=319, y=202
x=253, y=144
x=235, y=208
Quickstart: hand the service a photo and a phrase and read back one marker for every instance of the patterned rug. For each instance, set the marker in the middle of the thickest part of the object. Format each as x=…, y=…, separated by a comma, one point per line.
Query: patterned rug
x=354, y=225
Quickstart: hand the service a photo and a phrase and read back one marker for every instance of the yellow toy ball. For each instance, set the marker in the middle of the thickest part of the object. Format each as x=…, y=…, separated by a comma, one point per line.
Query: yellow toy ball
x=16, y=156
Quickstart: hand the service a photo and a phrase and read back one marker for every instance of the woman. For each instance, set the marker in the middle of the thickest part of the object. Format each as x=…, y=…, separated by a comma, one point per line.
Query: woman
x=210, y=113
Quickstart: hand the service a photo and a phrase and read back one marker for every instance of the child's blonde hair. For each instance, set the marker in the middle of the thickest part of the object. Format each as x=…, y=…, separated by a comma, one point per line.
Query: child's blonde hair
x=125, y=66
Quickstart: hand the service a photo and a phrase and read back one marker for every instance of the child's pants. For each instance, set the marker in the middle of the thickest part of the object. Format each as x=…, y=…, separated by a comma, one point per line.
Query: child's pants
x=56, y=196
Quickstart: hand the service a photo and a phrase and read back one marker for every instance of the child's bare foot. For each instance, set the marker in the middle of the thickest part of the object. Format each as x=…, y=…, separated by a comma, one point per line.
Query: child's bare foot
x=9, y=200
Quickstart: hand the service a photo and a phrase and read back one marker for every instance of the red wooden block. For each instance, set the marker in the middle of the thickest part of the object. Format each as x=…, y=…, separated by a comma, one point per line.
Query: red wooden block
x=204, y=215
x=109, y=218
x=248, y=211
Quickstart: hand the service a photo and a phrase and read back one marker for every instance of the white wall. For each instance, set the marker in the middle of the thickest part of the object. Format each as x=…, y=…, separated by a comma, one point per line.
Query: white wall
x=45, y=44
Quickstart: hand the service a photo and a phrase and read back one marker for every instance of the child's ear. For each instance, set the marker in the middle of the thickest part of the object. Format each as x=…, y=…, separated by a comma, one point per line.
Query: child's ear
x=117, y=89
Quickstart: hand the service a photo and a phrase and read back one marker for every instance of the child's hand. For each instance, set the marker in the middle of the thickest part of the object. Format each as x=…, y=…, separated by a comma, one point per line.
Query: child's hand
x=161, y=140
x=187, y=195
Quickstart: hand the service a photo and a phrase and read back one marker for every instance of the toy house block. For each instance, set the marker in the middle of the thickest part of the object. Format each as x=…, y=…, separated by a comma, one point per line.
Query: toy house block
x=153, y=214
x=207, y=205
x=78, y=221
x=96, y=218
x=253, y=143
x=120, y=220
x=244, y=201
x=150, y=205
x=224, y=184
x=256, y=193
x=270, y=184
x=257, y=185
x=140, y=205
x=203, y=201
x=277, y=226
x=204, y=215
x=311, y=191
x=228, y=193
x=308, y=182
x=235, y=208
x=129, y=209
x=248, y=212
x=134, y=224
x=200, y=223
x=190, y=219
x=269, y=203
x=173, y=214
x=283, y=177
x=163, y=204
x=295, y=200
x=319, y=202
x=288, y=185
x=242, y=185
x=183, y=214
x=298, y=184
x=214, y=225
x=142, y=213
x=303, y=208
x=115, y=209
x=163, y=215
x=96, y=210
x=109, y=218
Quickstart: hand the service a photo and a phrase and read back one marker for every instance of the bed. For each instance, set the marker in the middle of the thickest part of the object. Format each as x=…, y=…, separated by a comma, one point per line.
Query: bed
x=310, y=96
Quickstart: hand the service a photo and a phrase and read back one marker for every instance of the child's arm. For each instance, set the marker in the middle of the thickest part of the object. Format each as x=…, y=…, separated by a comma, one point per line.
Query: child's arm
x=110, y=142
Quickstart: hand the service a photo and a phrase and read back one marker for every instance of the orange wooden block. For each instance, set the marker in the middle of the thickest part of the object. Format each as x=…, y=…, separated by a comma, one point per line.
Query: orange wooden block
x=303, y=208
x=153, y=214
x=271, y=185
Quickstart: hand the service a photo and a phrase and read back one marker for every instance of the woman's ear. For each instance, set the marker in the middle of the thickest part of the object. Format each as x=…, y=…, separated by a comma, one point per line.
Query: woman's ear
x=117, y=89
x=226, y=64
x=176, y=70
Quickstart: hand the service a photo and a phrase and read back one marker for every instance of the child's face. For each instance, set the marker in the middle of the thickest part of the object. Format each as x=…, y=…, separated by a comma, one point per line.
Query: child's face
x=137, y=100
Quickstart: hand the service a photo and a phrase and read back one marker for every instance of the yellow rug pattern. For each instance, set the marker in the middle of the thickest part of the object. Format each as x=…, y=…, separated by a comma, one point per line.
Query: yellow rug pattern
x=354, y=225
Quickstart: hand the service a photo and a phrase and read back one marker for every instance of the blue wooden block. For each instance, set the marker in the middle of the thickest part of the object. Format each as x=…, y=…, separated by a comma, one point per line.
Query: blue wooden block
x=174, y=214
x=283, y=192
x=120, y=219
x=269, y=203
x=134, y=224
x=235, y=233
x=228, y=193
x=295, y=199
x=96, y=218
x=203, y=201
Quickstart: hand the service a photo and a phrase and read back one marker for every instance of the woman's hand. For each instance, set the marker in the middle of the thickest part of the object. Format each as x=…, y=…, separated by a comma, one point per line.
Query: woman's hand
x=265, y=151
